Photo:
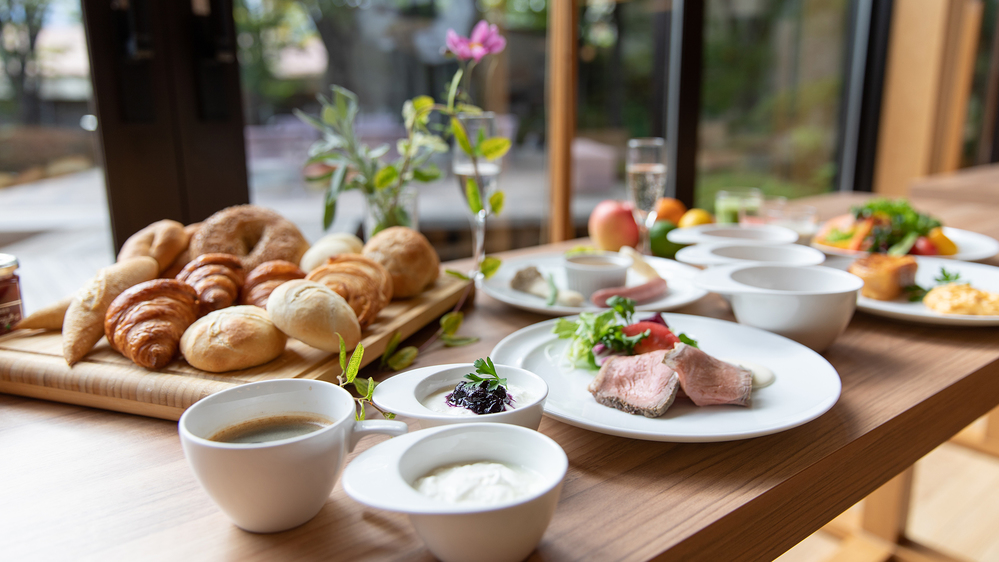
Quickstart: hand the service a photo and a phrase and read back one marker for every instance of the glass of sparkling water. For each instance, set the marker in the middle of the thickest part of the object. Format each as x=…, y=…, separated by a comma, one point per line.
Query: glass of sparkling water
x=646, y=170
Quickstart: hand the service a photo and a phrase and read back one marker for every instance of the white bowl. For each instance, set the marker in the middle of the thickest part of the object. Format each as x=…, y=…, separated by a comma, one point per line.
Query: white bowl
x=404, y=394
x=748, y=234
x=383, y=477
x=810, y=305
x=587, y=279
x=709, y=255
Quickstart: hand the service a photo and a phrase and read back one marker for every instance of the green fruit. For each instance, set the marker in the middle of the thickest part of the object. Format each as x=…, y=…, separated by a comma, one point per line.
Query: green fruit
x=662, y=247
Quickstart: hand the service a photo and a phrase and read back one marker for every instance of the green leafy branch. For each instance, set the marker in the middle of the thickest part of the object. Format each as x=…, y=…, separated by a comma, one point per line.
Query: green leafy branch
x=364, y=387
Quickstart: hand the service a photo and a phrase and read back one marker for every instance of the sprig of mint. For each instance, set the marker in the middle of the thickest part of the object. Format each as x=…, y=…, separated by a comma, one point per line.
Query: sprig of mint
x=366, y=388
x=485, y=367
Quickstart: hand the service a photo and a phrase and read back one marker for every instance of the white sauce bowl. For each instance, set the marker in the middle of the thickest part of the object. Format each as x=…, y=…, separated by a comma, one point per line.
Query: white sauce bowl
x=383, y=477
x=810, y=305
x=587, y=278
x=404, y=394
x=710, y=255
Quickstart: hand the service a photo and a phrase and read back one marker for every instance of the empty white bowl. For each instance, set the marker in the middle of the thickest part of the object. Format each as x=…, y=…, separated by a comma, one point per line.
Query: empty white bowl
x=810, y=305
x=383, y=477
x=407, y=394
x=588, y=273
x=709, y=255
x=733, y=233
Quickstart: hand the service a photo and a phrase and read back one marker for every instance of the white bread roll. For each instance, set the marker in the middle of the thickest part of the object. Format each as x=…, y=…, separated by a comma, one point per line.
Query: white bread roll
x=228, y=339
x=83, y=324
x=313, y=313
x=329, y=246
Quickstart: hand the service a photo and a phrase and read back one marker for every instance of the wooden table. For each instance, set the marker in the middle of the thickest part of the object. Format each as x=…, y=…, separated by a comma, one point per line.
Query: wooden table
x=81, y=483
x=975, y=185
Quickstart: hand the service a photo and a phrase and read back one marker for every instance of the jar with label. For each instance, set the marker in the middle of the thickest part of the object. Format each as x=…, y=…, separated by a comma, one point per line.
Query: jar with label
x=10, y=294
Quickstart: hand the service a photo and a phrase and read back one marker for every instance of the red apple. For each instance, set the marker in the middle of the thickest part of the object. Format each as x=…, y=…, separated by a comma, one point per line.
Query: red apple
x=612, y=225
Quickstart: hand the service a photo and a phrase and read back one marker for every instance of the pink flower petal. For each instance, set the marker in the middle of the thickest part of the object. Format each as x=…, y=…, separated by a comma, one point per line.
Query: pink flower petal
x=495, y=44
x=481, y=32
x=478, y=51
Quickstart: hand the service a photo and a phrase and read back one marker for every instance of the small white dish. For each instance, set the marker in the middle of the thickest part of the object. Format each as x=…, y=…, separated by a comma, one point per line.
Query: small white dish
x=709, y=255
x=383, y=476
x=408, y=394
x=971, y=246
x=805, y=384
x=588, y=273
x=810, y=305
x=678, y=276
x=743, y=234
x=981, y=276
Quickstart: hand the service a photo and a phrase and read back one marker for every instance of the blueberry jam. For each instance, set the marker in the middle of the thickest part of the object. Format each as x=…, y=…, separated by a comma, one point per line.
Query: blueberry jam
x=477, y=397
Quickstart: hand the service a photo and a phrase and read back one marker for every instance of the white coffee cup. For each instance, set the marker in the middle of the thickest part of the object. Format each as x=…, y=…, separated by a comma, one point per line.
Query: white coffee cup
x=276, y=485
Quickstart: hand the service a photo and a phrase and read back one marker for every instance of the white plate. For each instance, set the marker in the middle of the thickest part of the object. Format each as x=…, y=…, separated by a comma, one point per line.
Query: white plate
x=805, y=387
x=678, y=277
x=714, y=233
x=981, y=276
x=707, y=255
x=971, y=246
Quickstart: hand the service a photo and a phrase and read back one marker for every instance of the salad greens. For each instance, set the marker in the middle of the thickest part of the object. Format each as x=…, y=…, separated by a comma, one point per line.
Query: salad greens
x=594, y=328
x=896, y=224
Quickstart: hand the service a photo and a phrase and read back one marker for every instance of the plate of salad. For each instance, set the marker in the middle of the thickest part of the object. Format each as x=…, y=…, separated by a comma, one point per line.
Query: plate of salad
x=932, y=272
x=894, y=227
x=566, y=353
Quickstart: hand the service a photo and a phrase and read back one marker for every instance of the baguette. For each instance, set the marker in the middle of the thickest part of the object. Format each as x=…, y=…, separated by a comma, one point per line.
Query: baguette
x=48, y=318
x=83, y=326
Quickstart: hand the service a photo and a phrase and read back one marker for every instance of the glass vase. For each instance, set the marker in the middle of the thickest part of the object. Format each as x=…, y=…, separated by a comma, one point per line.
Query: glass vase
x=485, y=174
x=390, y=207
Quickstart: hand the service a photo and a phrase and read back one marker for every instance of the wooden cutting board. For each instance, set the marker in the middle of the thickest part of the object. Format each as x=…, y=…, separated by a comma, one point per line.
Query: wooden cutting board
x=31, y=363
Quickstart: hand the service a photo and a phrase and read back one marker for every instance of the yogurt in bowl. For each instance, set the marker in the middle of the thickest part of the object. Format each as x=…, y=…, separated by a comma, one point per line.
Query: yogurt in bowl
x=422, y=394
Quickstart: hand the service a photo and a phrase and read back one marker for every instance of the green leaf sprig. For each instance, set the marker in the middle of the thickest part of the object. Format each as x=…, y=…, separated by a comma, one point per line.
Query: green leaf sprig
x=486, y=368
x=916, y=293
x=364, y=387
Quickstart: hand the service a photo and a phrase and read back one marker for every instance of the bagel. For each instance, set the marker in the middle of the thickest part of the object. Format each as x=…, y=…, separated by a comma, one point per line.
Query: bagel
x=252, y=233
x=163, y=241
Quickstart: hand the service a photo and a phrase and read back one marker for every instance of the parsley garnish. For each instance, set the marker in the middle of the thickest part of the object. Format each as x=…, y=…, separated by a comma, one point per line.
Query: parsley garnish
x=947, y=277
x=486, y=367
x=915, y=293
x=684, y=338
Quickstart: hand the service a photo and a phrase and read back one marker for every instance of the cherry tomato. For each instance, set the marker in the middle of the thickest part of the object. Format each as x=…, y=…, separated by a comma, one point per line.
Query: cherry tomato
x=924, y=247
x=660, y=337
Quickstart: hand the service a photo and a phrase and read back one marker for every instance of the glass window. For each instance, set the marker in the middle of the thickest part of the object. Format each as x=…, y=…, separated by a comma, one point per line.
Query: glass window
x=387, y=52
x=772, y=82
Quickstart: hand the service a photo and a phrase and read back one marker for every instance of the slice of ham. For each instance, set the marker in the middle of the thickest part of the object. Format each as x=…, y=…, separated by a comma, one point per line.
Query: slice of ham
x=639, y=293
x=639, y=384
x=708, y=381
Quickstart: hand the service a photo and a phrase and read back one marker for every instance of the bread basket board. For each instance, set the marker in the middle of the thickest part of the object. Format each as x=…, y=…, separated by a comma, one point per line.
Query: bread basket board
x=31, y=363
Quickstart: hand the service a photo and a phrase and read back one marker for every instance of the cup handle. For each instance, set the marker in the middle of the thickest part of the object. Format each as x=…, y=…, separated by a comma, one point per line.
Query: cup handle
x=371, y=427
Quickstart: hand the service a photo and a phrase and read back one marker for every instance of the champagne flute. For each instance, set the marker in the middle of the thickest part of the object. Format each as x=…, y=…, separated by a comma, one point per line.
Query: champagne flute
x=486, y=176
x=646, y=171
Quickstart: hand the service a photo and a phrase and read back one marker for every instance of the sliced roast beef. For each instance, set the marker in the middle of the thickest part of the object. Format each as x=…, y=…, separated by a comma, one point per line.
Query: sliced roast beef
x=639, y=384
x=709, y=381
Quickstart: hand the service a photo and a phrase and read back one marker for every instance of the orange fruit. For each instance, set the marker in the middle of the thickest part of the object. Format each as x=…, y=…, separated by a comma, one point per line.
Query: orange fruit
x=669, y=209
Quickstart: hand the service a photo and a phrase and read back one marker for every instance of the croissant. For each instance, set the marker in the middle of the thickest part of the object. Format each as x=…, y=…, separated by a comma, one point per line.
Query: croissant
x=217, y=278
x=364, y=283
x=145, y=323
x=266, y=277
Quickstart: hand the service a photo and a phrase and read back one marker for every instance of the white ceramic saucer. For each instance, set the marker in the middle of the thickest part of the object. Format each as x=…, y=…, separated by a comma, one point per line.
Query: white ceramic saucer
x=714, y=233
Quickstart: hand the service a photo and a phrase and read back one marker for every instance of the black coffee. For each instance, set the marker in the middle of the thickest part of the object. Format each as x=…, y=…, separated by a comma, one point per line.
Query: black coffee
x=271, y=428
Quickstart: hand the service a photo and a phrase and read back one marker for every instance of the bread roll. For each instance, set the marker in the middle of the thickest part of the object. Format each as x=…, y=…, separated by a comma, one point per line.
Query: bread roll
x=361, y=281
x=329, y=246
x=84, y=323
x=185, y=256
x=313, y=313
x=238, y=337
x=409, y=258
x=49, y=318
x=163, y=241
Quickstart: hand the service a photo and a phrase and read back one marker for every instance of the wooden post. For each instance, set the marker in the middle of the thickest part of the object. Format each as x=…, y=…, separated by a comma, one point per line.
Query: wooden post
x=886, y=510
x=561, y=108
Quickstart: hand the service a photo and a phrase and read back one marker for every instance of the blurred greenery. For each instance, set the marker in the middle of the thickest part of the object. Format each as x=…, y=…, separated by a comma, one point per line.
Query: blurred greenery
x=710, y=183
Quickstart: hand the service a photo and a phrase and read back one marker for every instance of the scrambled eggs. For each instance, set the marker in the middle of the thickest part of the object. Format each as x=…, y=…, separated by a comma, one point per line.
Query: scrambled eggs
x=955, y=298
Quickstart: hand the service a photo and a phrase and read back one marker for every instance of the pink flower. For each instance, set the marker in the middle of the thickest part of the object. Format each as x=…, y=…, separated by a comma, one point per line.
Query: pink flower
x=485, y=40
